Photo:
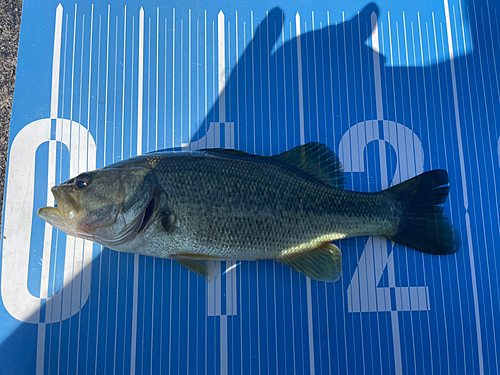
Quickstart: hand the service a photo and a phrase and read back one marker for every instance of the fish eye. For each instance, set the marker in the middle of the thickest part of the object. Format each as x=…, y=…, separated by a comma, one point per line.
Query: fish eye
x=83, y=180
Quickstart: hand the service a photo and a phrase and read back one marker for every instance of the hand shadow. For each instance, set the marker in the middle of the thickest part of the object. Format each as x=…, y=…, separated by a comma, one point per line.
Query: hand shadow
x=275, y=99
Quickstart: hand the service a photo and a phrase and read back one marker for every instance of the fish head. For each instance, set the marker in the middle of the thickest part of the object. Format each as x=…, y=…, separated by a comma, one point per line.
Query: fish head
x=108, y=206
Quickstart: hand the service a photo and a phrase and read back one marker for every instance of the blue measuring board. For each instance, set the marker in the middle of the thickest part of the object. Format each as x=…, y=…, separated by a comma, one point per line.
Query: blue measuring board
x=394, y=89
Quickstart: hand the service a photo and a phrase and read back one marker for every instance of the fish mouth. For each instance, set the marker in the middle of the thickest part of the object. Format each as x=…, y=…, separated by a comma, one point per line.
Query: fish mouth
x=52, y=215
x=64, y=213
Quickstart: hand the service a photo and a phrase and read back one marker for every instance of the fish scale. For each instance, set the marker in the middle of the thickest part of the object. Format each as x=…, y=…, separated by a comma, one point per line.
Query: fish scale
x=247, y=209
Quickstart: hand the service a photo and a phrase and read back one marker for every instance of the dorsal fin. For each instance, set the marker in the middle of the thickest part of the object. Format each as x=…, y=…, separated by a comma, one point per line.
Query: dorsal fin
x=314, y=158
x=317, y=160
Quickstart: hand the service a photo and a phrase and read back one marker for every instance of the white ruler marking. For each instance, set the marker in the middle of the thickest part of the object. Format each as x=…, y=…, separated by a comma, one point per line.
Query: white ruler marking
x=464, y=188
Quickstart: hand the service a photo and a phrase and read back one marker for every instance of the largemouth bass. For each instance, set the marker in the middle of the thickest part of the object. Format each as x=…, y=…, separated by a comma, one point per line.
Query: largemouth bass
x=225, y=204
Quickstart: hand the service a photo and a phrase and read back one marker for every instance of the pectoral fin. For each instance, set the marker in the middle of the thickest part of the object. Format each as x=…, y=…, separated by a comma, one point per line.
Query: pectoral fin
x=203, y=268
x=322, y=264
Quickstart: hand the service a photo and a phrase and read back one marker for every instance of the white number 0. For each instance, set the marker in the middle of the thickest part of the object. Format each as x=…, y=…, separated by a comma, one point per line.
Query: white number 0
x=18, y=300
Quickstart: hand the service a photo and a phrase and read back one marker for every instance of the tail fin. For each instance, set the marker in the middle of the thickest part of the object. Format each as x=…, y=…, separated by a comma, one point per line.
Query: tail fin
x=423, y=225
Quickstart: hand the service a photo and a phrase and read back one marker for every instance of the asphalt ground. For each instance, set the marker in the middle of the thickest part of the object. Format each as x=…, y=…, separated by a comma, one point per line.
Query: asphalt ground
x=10, y=23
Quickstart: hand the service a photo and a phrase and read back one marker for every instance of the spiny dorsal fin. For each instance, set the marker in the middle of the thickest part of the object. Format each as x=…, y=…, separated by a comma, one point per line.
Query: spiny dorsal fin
x=230, y=151
x=322, y=264
x=314, y=158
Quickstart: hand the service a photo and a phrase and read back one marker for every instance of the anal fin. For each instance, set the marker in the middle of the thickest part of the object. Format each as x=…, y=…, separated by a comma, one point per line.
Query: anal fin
x=203, y=268
x=323, y=263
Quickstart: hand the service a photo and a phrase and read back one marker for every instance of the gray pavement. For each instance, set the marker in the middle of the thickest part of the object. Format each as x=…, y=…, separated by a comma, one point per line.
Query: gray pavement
x=10, y=22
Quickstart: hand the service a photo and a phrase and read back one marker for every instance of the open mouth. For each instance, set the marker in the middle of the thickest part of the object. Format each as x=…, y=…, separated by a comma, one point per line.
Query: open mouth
x=67, y=205
x=56, y=192
x=64, y=212
x=52, y=215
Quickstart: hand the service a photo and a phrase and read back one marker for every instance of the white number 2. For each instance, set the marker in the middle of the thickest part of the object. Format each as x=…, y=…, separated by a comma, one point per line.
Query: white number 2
x=363, y=293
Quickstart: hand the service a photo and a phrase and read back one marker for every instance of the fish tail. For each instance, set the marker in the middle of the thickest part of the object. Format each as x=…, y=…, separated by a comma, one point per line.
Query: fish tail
x=422, y=223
